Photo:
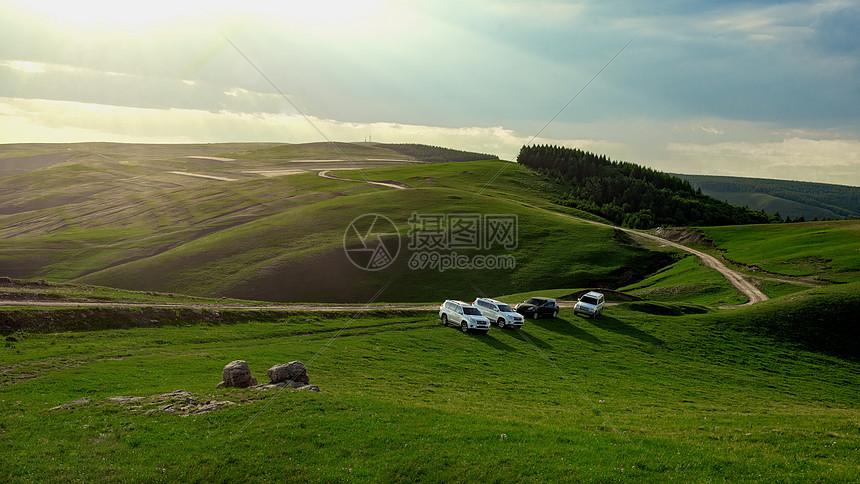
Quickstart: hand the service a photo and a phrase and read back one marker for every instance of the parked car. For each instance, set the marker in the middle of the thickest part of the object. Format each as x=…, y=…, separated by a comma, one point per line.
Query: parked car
x=590, y=303
x=464, y=315
x=536, y=307
x=498, y=312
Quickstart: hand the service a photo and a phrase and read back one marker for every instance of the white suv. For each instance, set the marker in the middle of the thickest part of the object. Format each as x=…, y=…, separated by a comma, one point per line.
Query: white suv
x=463, y=314
x=591, y=303
x=498, y=312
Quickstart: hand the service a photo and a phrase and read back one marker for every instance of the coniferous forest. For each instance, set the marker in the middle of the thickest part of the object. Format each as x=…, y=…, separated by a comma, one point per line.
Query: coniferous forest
x=631, y=195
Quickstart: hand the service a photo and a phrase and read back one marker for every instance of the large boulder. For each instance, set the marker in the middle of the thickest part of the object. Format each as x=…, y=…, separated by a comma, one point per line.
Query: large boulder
x=237, y=374
x=292, y=371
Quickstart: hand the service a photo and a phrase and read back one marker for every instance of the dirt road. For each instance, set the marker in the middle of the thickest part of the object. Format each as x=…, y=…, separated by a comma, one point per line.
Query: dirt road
x=261, y=307
x=219, y=307
x=388, y=183
x=735, y=278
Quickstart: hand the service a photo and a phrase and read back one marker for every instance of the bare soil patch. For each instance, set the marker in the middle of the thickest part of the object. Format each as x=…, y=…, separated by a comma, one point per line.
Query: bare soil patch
x=212, y=158
x=199, y=175
x=685, y=236
x=271, y=173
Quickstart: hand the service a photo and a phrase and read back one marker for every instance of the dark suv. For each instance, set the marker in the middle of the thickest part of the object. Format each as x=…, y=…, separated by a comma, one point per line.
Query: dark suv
x=536, y=307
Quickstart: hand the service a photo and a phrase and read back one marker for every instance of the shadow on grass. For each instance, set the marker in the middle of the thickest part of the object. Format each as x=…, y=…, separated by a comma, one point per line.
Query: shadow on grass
x=526, y=336
x=492, y=341
x=611, y=324
x=566, y=327
x=486, y=338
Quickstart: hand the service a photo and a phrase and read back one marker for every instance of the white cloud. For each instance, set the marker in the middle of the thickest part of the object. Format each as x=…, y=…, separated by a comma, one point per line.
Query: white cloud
x=828, y=160
x=748, y=149
x=24, y=66
x=707, y=129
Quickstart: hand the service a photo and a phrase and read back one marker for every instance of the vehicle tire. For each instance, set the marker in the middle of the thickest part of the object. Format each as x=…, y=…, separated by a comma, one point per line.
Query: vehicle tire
x=535, y=315
x=555, y=313
x=501, y=323
x=444, y=320
x=464, y=327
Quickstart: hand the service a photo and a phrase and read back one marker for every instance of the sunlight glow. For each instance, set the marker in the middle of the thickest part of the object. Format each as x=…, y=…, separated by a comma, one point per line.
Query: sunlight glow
x=113, y=14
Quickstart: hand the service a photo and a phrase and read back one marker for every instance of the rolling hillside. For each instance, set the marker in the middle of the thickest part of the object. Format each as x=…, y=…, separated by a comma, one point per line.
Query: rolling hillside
x=257, y=222
x=260, y=224
x=789, y=198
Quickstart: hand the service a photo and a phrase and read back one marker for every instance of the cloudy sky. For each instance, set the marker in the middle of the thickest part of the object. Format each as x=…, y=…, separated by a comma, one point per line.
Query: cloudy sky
x=748, y=88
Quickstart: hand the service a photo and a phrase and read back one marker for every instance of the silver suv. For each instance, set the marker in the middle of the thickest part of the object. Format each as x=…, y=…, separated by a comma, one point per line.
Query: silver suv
x=591, y=303
x=498, y=312
x=463, y=314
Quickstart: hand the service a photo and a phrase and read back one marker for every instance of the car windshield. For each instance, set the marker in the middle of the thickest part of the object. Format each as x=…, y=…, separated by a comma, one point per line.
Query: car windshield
x=589, y=300
x=505, y=308
x=471, y=310
x=536, y=301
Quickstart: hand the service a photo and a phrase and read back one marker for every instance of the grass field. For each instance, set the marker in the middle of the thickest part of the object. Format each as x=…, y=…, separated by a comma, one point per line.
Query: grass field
x=687, y=281
x=634, y=395
x=827, y=251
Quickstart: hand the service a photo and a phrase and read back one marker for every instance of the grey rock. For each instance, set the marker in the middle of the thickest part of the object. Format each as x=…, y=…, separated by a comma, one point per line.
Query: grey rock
x=79, y=401
x=237, y=374
x=294, y=370
x=124, y=399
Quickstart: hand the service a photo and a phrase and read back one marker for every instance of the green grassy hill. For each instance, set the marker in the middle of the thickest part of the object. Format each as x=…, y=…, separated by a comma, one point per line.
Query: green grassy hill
x=816, y=251
x=234, y=224
x=298, y=255
x=789, y=198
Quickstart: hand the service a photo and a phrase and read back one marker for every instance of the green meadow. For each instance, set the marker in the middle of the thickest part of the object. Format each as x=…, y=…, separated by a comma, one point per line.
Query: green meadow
x=828, y=251
x=645, y=393
x=687, y=280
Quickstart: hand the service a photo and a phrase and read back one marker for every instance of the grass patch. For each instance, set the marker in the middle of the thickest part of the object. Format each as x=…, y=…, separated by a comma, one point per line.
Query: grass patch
x=690, y=398
x=824, y=250
x=687, y=280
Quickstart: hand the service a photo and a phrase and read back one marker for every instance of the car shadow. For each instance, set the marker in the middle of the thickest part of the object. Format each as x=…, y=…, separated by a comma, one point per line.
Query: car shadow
x=611, y=324
x=524, y=335
x=490, y=340
x=565, y=327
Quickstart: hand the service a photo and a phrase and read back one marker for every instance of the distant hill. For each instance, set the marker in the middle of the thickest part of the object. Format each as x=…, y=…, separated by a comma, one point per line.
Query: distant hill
x=436, y=154
x=630, y=194
x=258, y=221
x=789, y=198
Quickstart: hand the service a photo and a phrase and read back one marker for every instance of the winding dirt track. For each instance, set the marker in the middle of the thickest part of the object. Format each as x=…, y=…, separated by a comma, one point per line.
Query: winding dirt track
x=390, y=184
x=265, y=307
x=734, y=277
